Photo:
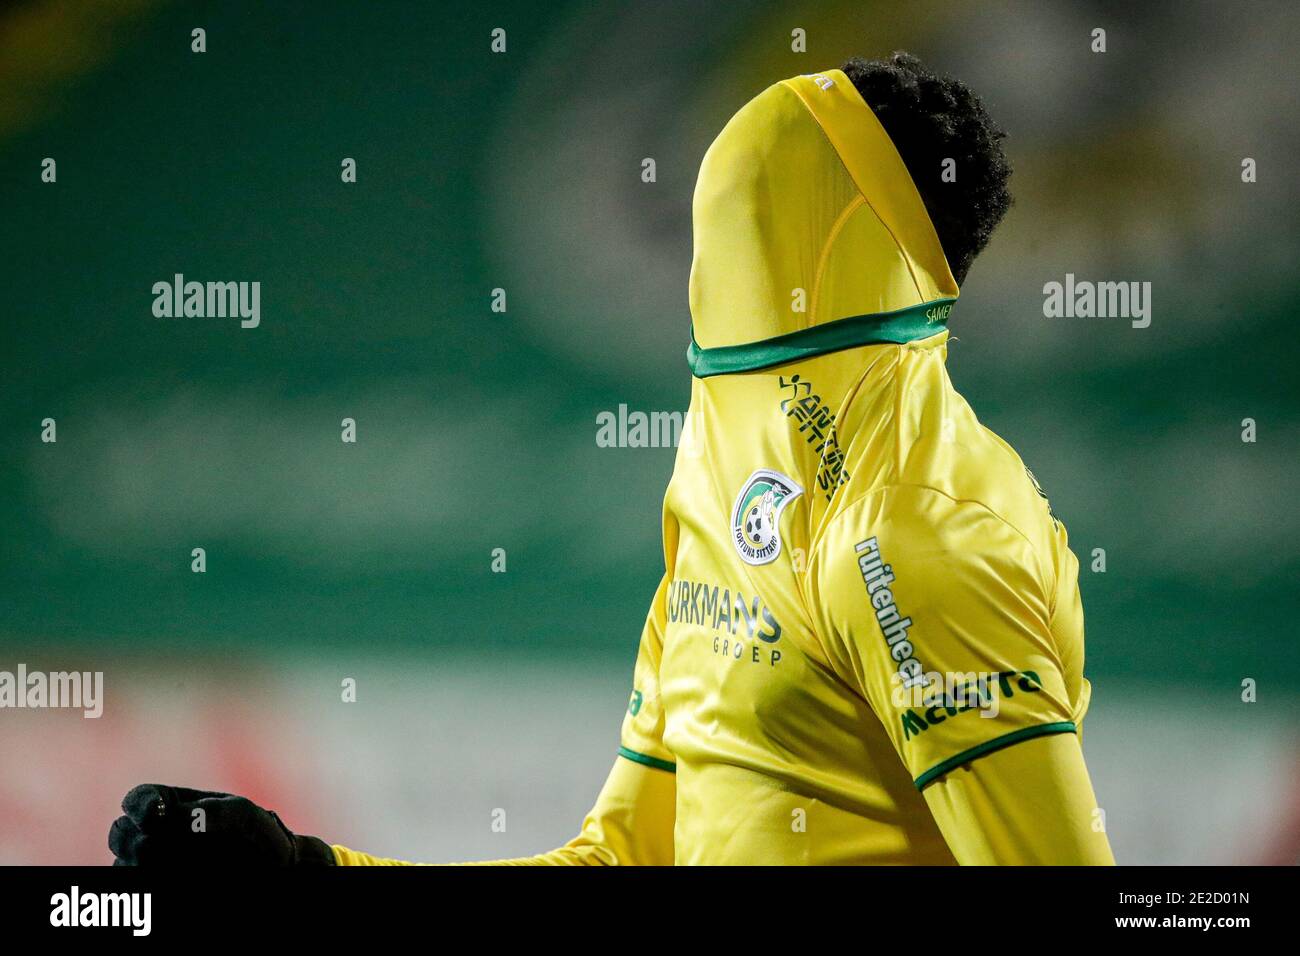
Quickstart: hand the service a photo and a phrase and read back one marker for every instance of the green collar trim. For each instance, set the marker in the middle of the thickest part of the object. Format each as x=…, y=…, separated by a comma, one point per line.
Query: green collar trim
x=879, y=328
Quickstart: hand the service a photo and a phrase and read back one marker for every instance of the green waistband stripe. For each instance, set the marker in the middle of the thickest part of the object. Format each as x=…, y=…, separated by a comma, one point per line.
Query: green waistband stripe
x=879, y=328
x=997, y=743
x=648, y=761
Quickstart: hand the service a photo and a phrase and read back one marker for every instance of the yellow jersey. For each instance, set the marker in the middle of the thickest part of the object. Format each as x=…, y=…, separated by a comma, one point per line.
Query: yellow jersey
x=866, y=595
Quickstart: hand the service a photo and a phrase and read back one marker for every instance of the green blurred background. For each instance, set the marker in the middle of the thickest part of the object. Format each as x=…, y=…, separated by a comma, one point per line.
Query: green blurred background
x=476, y=430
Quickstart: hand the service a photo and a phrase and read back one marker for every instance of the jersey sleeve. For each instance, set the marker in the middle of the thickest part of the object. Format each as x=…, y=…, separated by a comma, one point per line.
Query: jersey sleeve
x=938, y=613
x=632, y=820
x=642, y=737
x=1029, y=805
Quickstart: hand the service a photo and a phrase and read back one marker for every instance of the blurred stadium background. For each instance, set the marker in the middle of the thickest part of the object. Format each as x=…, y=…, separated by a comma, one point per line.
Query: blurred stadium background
x=477, y=690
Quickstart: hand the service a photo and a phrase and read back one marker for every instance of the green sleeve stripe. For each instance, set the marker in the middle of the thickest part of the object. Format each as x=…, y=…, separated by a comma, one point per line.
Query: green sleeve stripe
x=997, y=743
x=897, y=327
x=648, y=761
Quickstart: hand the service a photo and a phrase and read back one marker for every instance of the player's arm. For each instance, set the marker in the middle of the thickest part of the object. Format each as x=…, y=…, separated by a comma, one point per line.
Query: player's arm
x=1028, y=805
x=631, y=822
x=939, y=613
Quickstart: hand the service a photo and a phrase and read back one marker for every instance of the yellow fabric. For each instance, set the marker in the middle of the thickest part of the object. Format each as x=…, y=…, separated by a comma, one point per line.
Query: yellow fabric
x=767, y=721
x=1044, y=783
x=803, y=190
x=345, y=857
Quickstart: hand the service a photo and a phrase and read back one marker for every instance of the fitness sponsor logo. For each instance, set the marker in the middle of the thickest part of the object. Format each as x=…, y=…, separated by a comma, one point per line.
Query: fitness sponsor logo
x=804, y=406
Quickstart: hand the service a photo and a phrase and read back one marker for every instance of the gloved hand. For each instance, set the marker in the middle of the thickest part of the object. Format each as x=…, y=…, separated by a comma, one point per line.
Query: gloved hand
x=161, y=827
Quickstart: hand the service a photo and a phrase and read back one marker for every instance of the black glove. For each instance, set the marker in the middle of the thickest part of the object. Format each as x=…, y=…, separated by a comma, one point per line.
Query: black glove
x=161, y=827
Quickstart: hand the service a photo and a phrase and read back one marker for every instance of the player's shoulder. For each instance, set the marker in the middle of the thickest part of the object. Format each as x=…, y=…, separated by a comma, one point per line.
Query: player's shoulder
x=933, y=455
x=950, y=508
x=974, y=464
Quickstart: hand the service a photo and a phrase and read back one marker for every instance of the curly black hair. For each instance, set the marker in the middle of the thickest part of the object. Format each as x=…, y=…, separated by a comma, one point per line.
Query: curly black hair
x=931, y=118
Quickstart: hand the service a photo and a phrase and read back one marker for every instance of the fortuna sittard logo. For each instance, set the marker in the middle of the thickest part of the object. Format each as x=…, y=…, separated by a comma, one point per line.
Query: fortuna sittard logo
x=755, y=520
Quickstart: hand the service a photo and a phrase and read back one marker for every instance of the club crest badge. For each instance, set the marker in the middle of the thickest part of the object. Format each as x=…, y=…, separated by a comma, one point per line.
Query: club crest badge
x=756, y=517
